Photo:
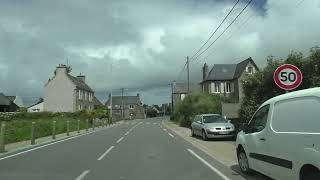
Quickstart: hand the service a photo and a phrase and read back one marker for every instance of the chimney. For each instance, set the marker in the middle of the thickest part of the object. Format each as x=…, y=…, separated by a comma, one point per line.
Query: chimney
x=82, y=77
x=61, y=70
x=138, y=95
x=204, y=71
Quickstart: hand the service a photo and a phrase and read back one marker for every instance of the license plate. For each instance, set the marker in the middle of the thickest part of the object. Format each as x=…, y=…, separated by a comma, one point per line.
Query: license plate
x=224, y=133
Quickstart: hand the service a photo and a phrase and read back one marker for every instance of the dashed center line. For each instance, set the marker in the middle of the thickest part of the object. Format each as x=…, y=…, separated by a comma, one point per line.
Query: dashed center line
x=83, y=174
x=126, y=134
x=119, y=140
x=105, y=153
x=171, y=135
x=209, y=165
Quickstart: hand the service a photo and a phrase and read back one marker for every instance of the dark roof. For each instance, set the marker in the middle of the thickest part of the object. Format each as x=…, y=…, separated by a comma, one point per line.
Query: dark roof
x=12, y=98
x=228, y=71
x=39, y=102
x=79, y=83
x=222, y=72
x=96, y=101
x=127, y=100
x=4, y=100
x=183, y=88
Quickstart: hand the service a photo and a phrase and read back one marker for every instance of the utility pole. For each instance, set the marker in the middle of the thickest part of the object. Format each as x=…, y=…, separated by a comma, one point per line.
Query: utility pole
x=110, y=118
x=188, y=74
x=122, y=89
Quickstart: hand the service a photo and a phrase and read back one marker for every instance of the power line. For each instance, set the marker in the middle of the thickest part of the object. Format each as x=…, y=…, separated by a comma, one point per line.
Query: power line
x=252, y=16
x=216, y=29
x=180, y=73
x=224, y=30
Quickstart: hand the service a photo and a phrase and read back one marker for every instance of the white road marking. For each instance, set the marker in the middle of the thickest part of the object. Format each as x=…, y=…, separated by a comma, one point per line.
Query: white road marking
x=119, y=140
x=209, y=165
x=164, y=129
x=83, y=174
x=105, y=153
x=39, y=147
x=126, y=134
x=171, y=135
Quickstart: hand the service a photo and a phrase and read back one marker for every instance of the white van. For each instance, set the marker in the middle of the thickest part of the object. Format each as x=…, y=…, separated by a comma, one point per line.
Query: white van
x=282, y=139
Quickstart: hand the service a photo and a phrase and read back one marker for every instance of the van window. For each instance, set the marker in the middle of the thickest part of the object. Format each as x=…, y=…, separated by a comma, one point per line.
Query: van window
x=297, y=115
x=259, y=120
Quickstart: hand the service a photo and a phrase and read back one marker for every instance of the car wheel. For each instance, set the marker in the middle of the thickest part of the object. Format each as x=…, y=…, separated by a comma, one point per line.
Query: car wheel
x=192, y=133
x=243, y=162
x=312, y=176
x=204, y=136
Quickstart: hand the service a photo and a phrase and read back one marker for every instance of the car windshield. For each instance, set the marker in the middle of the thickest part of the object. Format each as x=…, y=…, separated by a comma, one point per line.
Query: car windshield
x=213, y=119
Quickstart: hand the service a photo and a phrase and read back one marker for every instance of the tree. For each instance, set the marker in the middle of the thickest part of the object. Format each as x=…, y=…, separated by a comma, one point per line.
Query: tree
x=193, y=104
x=261, y=87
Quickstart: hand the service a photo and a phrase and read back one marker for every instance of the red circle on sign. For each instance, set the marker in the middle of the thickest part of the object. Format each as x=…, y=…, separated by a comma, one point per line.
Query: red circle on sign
x=282, y=85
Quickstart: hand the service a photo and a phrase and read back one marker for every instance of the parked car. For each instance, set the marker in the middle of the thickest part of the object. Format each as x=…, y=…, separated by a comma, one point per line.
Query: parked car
x=282, y=139
x=212, y=126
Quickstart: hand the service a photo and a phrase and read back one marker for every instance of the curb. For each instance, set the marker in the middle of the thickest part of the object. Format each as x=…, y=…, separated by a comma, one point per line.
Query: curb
x=29, y=147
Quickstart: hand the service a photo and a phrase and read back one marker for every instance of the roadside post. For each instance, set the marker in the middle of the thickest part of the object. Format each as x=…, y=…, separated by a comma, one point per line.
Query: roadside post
x=287, y=77
x=87, y=126
x=68, y=124
x=33, y=133
x=93, y=124
x=78, y=126
x=2, y=137
x=53, y=129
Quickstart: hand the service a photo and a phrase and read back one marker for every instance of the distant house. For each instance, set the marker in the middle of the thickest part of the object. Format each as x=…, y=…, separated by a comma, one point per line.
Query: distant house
x=225, y=80
x=97, y=103
x=6, y=105
x=66, y=93
x=37, y=107
x=17, y=100
x=132, y=107
x=180, y=90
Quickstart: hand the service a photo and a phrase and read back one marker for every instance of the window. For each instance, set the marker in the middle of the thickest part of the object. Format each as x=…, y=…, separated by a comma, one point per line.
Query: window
x=131, y=106
x=182, y=97
x=79, y=107
x=228, y=87
x=259, y=120
x=217, y=87
x=214, y=119
x=297, y=115
x=85, y=95
x=249, y=70
x=79, y=95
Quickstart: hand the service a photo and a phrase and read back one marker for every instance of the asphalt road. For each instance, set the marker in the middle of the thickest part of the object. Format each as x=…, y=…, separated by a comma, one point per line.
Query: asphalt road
x=134, y=150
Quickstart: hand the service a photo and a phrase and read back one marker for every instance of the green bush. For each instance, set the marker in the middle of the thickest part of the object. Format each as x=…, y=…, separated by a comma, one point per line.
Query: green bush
x=193, y=104
x=260, y=87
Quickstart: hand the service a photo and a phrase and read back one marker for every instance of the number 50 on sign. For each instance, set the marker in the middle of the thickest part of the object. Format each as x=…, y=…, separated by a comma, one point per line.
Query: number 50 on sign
x=287, y=76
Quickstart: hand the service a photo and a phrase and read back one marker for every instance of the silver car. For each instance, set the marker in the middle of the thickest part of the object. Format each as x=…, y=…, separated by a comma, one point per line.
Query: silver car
x=212, y=126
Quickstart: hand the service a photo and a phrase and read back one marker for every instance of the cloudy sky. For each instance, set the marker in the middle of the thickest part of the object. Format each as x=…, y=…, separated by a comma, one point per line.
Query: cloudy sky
x=146, y=41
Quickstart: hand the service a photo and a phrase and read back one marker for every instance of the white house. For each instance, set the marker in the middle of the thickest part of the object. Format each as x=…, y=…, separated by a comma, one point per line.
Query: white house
x=38, y=107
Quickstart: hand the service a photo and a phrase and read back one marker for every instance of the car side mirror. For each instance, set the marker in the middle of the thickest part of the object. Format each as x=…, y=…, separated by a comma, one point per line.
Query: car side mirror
x=229, y=121
x=199, y=122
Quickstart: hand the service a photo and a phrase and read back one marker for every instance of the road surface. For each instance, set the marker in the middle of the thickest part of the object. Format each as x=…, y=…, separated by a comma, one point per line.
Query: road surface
x=133, y=150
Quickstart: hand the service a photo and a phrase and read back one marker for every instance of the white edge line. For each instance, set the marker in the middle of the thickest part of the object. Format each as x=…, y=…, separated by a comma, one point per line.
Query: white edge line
x=42, y=146
x=171, y=135
x=83, y=174
x=126, y=133
x=209, y=165
x=165, y=129
x=105, y=153
x=119, y=140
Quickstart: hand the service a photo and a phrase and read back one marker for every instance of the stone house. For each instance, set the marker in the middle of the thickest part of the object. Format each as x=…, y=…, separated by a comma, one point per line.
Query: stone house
x=66, y=93
x=132, y=107
x=180, y=90
x=225, y=80
x=17, y=100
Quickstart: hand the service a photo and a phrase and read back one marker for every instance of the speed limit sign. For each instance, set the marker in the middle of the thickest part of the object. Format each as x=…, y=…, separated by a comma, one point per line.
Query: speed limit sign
x=287, y=76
